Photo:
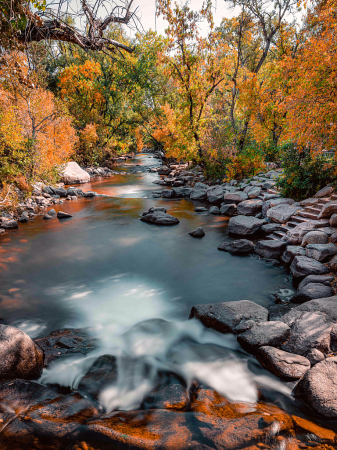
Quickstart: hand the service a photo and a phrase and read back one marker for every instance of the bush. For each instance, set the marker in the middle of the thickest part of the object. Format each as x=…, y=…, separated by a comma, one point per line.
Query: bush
x=245, y=164
x=305, y=173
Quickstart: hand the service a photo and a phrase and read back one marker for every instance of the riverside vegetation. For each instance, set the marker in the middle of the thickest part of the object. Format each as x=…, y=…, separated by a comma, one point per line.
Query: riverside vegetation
x=241, y=120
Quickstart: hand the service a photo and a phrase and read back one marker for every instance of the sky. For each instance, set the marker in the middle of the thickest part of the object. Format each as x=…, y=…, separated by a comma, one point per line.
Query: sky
x=147, y=9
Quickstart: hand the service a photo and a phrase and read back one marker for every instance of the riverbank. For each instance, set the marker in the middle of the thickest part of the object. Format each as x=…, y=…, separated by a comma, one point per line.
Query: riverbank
x=60, y=344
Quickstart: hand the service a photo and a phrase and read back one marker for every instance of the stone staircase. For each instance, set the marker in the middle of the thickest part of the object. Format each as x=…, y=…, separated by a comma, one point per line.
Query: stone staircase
x=307, y=214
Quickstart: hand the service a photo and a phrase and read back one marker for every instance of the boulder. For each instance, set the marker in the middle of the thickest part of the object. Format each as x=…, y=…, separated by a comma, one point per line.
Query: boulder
x=159, y=218
x=320, y=252
x=303, y=266
x=270, y=249
x=323, y=279
x=325, y=192
x=281, y=201
x=315, y=237
x=60, y=191
x=250, y=207
x=254, y=192
x=197, y=233
x=327, y=306
x=229, y=209
x=328, y=210
x=214, y=210
x=311, y=291
x=8, y=224
x=89, y=194
x=238, y=247
x=235, y=197
x=296, y=234
x=19, y=356
x=285, y=365
x=318, y=388
x=282, y=213
x=198, y=195
x=215, y=194
x=308, y=330
x=167, y=193
x=333, y=220
x=314, y=356
x=73, y=174
x=309, y=202
x=200, y=209
x=333, y=238
x=51, y=212
x=244, y=225
x=63, y=215
x=264, y=333
x=156, y=209
x=271, y=227
x=290, y=252
x=101, y=374
x=228, y=317
x=47, y=217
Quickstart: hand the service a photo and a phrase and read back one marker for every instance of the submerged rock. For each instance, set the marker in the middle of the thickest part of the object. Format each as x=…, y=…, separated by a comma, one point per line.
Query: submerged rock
x=226, y=317
x=238, y=247
x=158, y=217
x=19, y=356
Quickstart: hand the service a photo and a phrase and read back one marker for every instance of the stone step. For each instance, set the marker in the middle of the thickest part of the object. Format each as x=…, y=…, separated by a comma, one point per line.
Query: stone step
x=299, y=219
x=312, y=210
x=273, y=237
x=334, y=197
x=308, y=215
x=323, y=201
x=292, y=224
x=280, y=233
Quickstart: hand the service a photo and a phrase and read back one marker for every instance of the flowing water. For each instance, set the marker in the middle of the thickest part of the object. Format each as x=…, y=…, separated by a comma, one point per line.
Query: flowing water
x=132, y=285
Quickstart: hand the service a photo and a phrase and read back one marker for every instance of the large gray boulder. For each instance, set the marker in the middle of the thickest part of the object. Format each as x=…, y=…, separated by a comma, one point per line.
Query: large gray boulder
x=19, y=356
x=229, y=209
x=290, y=252
x=269, y=228
x=230, y=317
x=308, y=330
x=318, y=388
x=333, y=220
x=281, y=201
x=73, y=174
x=250, y=207
x=235, y=197
x=320, y=252
x=282, y=213
x=214, y=210
x=325, y=192
x=167, y=193
x=315, y=237
x=328, y=210
x=159, y=218
x=215, y=194
x=238, y=247
x=327, y=306
x=270, y=249
x=323, y=279
x=285, y=365
x=303, y=266
x=311, y=291
x=264, y=333
x=244, y=225
x=198, y=195
x=254, y=192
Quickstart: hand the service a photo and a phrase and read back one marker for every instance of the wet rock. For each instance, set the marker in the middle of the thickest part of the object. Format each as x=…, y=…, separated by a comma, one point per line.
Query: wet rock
x=168, y=394
x=102, y=373
x=19, y=356
x=244, y=225
x=250, y=207
x=66, y=342
x=7, y=223
x=285, y=365
x=225, y=317
x=234, y=197
x=89, y=194
x=197, y=233
x=63, y=215
x=60, y=191
x=215, y=194
x=318, y=388
x=167, y=193
x=272, y=333
x=238, y=247
x=156, y=209
x=271, y=227
x=314, y=356
x=315, y=237
x=303, y=266
x=200, y=209
x=51, y=212
x=308, y=330
x=282, y=213
x=47, y=217
x=73, y=174
x=228, y=210
x=325, y=192
x=214, y=210
x=328, y=210
x=290, y=252
x=311, y=291
x=320, y=252
x=270, y=249
x=198, y=195
x=323, y=279
x=158, y=217
x=24, y=218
